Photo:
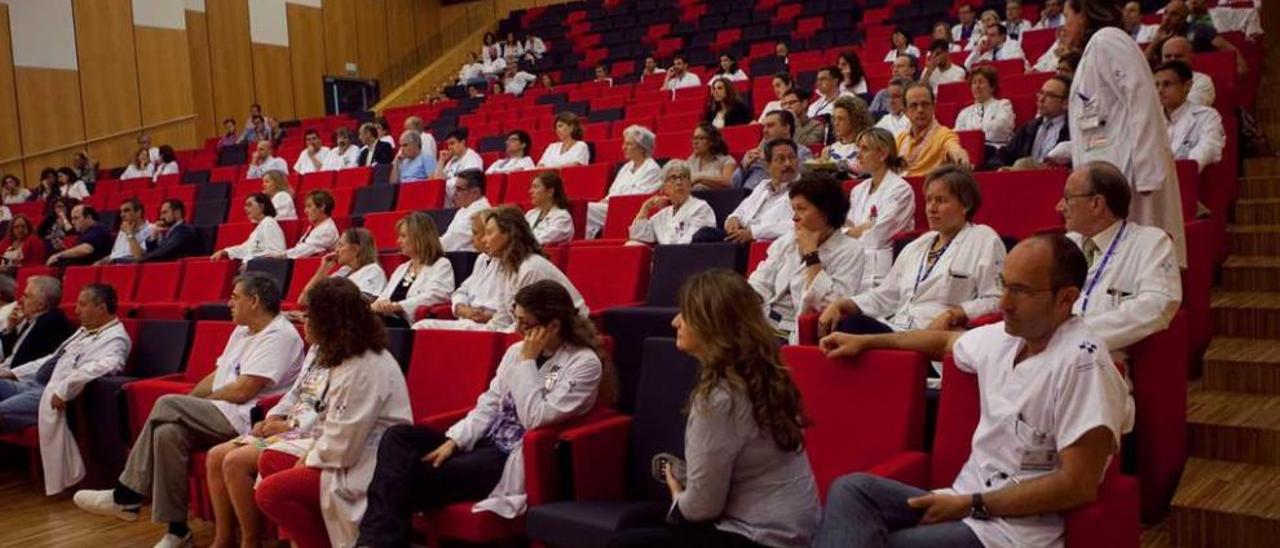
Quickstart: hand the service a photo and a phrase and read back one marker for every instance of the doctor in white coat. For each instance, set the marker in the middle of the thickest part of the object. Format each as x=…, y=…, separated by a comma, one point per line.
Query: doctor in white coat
x=38, y=391
x=1116, y=117
x=880, y=206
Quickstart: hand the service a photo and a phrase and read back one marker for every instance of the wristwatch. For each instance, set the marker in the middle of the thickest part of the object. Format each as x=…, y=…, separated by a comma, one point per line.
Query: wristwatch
x=811, y=258
x=978, y=510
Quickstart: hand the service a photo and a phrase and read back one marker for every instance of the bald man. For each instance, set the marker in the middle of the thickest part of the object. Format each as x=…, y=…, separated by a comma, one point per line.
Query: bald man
x=1178, y=48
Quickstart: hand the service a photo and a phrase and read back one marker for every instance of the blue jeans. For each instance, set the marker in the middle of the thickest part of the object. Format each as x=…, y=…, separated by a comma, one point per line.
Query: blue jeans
x=869, y=511
x=19, y=403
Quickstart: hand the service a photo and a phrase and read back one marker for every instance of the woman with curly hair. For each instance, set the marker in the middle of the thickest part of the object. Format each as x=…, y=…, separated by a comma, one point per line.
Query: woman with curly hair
x=747, y=480
x=558, y=372
x=322, y=438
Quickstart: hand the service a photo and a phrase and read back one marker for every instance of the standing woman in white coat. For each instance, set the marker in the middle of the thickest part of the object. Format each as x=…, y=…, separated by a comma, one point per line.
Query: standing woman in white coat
x=320, y=500
x=558, y=372
x=880, y=206
x=423, y=280
x=267, y=239
x=1116, y=116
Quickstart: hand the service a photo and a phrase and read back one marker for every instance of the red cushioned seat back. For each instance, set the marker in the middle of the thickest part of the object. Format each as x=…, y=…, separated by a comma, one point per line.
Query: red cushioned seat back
x=974, y=142
x=383, y=228
x=1020, y=203
x=517, y=187
x=161, y=281
x=628, y=274
x=123, y=277
x=74, y=279
x=353, y=177
x=756, y=254
x=864, y=410
x=210, y=339
x=622, y=211
x=448, y=370
x=954, y=92
x=1036, y=42
x=206, y=281
x=589, y=182
x=230, y=234
x=427, y=194
x=958, y=411
x=315, y=181
x=303, y=270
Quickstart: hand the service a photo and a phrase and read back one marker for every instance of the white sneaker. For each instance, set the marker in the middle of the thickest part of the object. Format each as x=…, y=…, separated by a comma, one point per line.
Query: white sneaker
x=171, y=540
x=102, y=502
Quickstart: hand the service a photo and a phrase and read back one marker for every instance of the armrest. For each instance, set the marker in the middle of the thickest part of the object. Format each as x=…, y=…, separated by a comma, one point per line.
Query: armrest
x=1112, y=520
x=542, y=479
x=911, y=468
x=442, y=311
x=141, y=396
x=442, y=421
x=807, y=328
x=598, y=458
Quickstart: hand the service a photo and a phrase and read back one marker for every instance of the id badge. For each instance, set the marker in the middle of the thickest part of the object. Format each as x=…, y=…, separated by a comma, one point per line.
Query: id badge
x=1039, y=459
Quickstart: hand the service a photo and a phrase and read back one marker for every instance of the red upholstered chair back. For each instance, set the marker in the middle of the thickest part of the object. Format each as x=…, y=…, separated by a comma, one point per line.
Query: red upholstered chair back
x=211, y=337
x=609, y=276
x=959, y=408
x=449, y=369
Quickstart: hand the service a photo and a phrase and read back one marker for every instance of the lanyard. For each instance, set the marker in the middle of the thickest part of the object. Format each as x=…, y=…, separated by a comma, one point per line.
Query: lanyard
x=921, y=272
x=1097, y=275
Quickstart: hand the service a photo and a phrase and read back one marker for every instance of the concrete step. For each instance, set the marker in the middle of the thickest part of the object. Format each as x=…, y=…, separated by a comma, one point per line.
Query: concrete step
x=1242, y=365
x=1253, y=240
x=1226, y=504
x=1246, y=314
x=1244, y=273
x=1233, y=426
x=1258, y=211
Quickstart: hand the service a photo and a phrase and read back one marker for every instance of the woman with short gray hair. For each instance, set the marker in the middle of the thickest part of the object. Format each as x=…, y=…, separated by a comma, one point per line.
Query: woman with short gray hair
x=640, y=175
x=674, y=215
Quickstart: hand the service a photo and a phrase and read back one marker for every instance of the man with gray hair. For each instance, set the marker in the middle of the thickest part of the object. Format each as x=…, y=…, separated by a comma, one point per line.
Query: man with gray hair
x=36, y=326
x=262, y=357
x=414, y=123
x=640, y=175
x=410, y=163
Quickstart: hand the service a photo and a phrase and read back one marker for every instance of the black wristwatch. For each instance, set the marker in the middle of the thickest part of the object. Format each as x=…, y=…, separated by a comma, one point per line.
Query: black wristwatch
x=979, y=509
x=811, y=258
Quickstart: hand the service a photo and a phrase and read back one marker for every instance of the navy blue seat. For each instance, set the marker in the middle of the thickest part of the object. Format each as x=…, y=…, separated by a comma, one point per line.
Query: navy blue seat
x=442, y=218
x=213, y=191
x=722, y=202
x=372, y=199
x=209, y=213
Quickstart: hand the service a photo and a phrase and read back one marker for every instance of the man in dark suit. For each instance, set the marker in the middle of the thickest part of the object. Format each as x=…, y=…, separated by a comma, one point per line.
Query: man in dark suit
x=1035, y=139
x=383, y=152
x=172, y=238
x=36, y=326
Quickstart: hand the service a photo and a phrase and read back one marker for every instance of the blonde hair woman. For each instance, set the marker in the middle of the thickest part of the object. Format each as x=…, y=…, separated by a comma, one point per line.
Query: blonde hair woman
x=424, y=280
x=276, y=186
x=882, y=205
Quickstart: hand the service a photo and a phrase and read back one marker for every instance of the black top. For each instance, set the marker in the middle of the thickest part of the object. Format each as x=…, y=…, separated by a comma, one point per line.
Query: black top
x=402, y=290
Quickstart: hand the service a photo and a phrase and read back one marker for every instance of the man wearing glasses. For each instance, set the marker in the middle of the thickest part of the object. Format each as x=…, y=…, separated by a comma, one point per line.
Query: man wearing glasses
x=1036, y=142
x=928, y=144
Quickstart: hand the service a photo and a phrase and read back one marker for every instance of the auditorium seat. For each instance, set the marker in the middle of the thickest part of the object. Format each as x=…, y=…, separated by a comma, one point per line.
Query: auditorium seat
x=609, y=276
x=303, y=270
x=425, y=195
x=449, y=369
x=1158, y=369
x=1018, y=203
x=161, y=281
x=353, y=177
x=622, y=212
x=74, y=278
x=208, y=341
x=123, y=277
x=204, y=281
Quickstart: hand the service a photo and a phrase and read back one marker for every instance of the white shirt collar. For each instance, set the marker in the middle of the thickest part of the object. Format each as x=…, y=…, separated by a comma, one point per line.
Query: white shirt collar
x=1103, y=239
x=1179, y=112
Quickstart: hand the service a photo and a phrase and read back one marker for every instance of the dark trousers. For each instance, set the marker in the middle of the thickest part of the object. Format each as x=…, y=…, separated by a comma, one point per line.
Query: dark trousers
x=862, y=325
x=693, y=535
x=403, y=483
x=709, y=234
x=394, y=321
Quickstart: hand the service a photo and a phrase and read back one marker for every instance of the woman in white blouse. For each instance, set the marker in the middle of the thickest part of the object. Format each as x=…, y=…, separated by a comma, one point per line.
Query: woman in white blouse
x=900, y=44
x=556, y=373
x=479, y=296
x=881, y=206
x=942, y=279
x=849, y=118
x=993, y=116
x=639, y=175
x=12, y=191
x=424, y=280
x=815, y=264
x=322, y=234
x=675, y=215
x=72, y=186
x=729, y=69
x=267, y=239
x=518, y=144
x=140, y=167
x=168, y=162
x=354, y=258
x=276, y=185
x=853, y=78
x=781, y=83
x=570, y=150
x=549, y=217
x=710, y=163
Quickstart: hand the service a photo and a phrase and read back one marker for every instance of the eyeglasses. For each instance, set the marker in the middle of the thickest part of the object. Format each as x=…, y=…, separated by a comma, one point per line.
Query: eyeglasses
x=1041, y=95
x=1018, y=290
x=919, y=105
x=1067, y=197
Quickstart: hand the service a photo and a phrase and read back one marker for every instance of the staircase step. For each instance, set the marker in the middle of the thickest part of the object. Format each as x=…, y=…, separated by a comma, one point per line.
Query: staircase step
x=1226, y=504
x=1266, y=165
x=1259, y=187
x=1242, y=365
x=1258, y=211
x=1233, y=426
x=1244, y=273
x=1252, y=314
x=1253, y=240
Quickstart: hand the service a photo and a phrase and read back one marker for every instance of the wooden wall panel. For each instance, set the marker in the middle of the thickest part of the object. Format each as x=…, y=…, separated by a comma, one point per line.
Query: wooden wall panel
x=49, y=105
x=339, y=35
x=273, y=81
x=307, y=57
x=371, y=29
x=426, y=15
x=207, y=124
x=10, y=140
x=108, y=73
x=231, y=59
x=164, y=80
x=400, y=29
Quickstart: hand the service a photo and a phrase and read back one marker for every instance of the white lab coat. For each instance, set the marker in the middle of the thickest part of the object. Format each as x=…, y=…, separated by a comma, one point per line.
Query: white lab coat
x=303, y=164
x=780, y=279
x=286, y=210
x=1196, y=133
x=939, y=76
x=87, y=357
x=432, y=286
x=1139, y=292
x=481, y=289
x=674, y=226
x=370, y=278
x=508, y=165
x=894, y=123
x=994, y=118
x=1203, y=91
x=457, y=237
x=366, y=395
x=318, y=240
x=1010, y=49
x=686, y=80
x=469, y=160
x=765, y=211
x=894, y=204
x=556, y=227
x=345, y=159
x=133, y=172
x=1048, y=61
x=266, y=239
x=535, y=268
x=630, y=180
x=964, y=276
x=577, y=155
x=1115, y=117
x=564, y=387
x=893, y=53
x=274, y=163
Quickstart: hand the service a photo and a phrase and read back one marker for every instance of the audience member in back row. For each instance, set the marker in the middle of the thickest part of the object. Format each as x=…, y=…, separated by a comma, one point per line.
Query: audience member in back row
x=322, y=233
x=429, y=147
x=895, y=120
x=1052, y=16
x=344, y=154
x=927, y=144
x=478, y=296
x=262, y=357
x=514, y=80
x=1195, y=131
x=987, y=113
x=674, y=215
x=1134, y=285
x=86, y=168
x=849, y=119
x=813, y=265
x=12, y=190
x=171, y=237
x=410, y=163
x=779, y=124
x=728, y=68
x=72, y=186
x=809, y=131
x=549, y=217
x=724, y=107
x=455, y=158
x=903, y=67
x=37, y=326
x=276, y=186
x=781, y=83
x=963, y=31
x=710, y=162
x=766, y=213
x=264, y=160
x=1202, y=91
x=678, y=76
x=558, y=372
x=266, y=239
x=57, y=225
x=880, y=206
x=938, y=66
x=363, y=395
x=942, y=279
x=469, y=196
x=1035, y=140
x=995, y=46
x=425, y=279
x=355, y=258
x=852, y=77
x=747, y=479
x=1053, y=410
x=92, y=244
x=570, y=150
x=521, y=261
x=639, y=175
x=312, y=157
x=518, y=144
x=230, y=134
x=134, y=232
x=374, y=151
x=825, y=92
x=1048, y=61
x=21, y=246
x=900, y=44
x=168, y=163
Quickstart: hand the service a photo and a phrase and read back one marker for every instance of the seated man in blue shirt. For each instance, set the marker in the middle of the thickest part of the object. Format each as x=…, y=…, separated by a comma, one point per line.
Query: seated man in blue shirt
x=410, y=163
x=93, y=244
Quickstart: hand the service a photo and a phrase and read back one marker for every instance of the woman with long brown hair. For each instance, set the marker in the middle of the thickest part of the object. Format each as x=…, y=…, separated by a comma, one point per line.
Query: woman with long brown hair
x=558, y=372
x=747, y=480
